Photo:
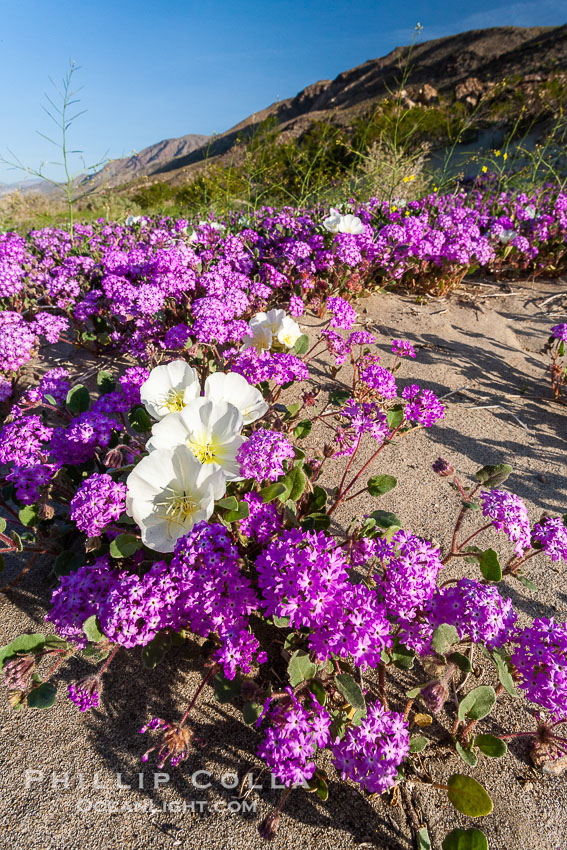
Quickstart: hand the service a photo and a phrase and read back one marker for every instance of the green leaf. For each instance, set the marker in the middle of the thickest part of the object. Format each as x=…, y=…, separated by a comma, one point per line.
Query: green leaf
x=385, y=519
x=17, y=540
x=54, y=642
x=444, y=637
x=493, y=475
x=322, y=790
x=414, y=692
x=251, y=712
x=228, y=504
x=43, y=696
x=490, y=565
x=67, y=562
x=561, y=348
x=468, y=796
x=3, y=524
x=349, y=689
x=296, y=481
x=22, y=644
x=139, y=419
x=318, y=691
x=465, y=839
x=316, y=522
x=462, y=661
x=417, y=744
x=472, y=506
x=526, y=582
x=154, y=652
x=423, y=839
x=395, y=416
x=478, y=703
x=226, y=689
x=78, y=399
x=317, y=499
x=274, y=491
x=339, y=397
x=124, y=545
x=293, y=409
x=105, y=382
x=302, y=429
x=242, y=511
x=491, y=746
x=300, y=668
x=378, y=485
x=92, y=629
x=281, y=622
x=467, y=755
x=504, y=674
x=301, y=346
x=28, y=515
x=402, y=657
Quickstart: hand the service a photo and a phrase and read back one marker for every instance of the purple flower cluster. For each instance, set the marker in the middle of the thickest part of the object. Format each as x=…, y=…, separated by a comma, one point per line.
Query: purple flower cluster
x=476, y=610
x=263, y=521
x=343, y=315
x=377, y=377
x=97, y=502
x=410, y=567
x=292, y=739
x=29, y=481
x=24, y=442
x=541, y=658
x=551, y=535
x=508, y=513
x=422, y=406
x=85, y=694
x=263, y=455
x=360, y=418
x=301, y=575
x=371, y=752
x=403, y=348
x=17, y=341
x=78, y=597
x=560, y=332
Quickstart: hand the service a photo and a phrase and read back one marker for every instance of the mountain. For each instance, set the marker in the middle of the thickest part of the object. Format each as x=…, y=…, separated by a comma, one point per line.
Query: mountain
x=459, y=67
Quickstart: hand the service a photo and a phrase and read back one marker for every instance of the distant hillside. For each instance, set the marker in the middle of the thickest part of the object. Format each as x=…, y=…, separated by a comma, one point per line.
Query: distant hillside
x=461, y=67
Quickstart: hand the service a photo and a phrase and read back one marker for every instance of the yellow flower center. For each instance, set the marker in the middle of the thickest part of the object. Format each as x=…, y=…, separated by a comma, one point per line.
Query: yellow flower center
x=174, y=401
x=204, y=452
x=178, y=507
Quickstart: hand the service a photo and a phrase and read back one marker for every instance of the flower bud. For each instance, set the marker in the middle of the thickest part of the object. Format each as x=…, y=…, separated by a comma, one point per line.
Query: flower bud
x=443, y=468
x=269, y=825
x=113, y=459
x=434, y=696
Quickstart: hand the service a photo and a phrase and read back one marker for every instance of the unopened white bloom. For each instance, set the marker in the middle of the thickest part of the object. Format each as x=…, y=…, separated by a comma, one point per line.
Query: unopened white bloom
x=168, y=492
x=234, y=389
x=133, y=219
x=169, y=388
x=209, y=429
x=337, y=223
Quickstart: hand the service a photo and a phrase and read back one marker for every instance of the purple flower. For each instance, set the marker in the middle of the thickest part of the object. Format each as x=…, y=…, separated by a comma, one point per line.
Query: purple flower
x=97, y=502
x=410, y=567
x=402, y=348
x=263, y=521
x=263, y=455
x=509, y=514
x=78, y=597
x=551, y=534
x=476, y=610
x=23, y=442
x=371, y=752
x=377, y=377
x=560, y=332
x=343, y=315
x=541, y=659
x=422, y=406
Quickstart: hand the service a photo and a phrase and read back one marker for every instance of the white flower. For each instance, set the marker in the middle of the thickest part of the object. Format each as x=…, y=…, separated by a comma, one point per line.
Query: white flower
x=337, y=223
x=234, y=388
x=133, y=219
x=266, y=326
x=168, y=492
x=507, y=236
x=260, y=337
x=332, y=222
x=169, y=388
x=211, y=430
x=530, y=212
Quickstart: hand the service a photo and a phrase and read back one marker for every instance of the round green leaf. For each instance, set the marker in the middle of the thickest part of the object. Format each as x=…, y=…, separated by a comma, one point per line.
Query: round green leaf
x=43, y=696
x=22, y=644
x=491, y=746
x=478, y=703
x=78, y=399
x=468, y=796
x=124, y=545
x=465, y=839
x=348, y=688
x=251, y=712
x=467, y=755
x=417, y=744
x=92, y=629
x=378, y=485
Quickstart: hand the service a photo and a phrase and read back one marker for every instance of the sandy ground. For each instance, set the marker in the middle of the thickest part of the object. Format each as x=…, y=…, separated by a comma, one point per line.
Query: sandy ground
x=73, y=799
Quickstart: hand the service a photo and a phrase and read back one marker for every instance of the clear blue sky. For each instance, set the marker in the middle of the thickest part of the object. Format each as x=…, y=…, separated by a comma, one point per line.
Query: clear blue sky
x=156, y=70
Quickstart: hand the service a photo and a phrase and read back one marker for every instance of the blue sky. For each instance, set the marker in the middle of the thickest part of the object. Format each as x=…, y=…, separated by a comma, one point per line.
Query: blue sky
x=156, y=70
